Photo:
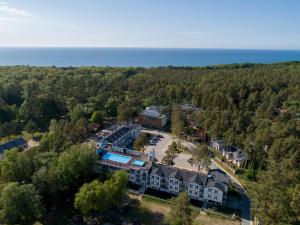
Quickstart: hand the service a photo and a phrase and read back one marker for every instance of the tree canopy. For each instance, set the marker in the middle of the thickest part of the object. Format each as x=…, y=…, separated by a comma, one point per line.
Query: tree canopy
x=99, y=197
x=253, y=106
x=20, y=204
x=181, y=213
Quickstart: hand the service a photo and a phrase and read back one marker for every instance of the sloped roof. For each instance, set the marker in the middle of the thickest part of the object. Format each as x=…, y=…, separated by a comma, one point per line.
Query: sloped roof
x=12, y=144
x=239, y=155
x=180, y=174
x=217, y=178
x=158, y=171
x=20, y=141
x=197, y=179
x=231, y=148
x=176, y=174
x=116, y=135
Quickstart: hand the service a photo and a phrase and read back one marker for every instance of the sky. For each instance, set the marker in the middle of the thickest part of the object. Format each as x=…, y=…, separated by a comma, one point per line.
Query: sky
x=237, y=24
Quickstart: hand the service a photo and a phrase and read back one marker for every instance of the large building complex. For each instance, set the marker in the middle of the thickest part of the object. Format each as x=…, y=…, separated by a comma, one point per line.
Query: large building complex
x=143, y=170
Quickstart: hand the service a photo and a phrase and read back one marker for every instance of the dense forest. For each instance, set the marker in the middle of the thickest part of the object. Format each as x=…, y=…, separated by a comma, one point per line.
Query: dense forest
x=256, y=107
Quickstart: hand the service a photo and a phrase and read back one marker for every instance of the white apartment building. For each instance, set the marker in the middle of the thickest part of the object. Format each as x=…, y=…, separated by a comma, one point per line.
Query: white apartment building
x=211, y=187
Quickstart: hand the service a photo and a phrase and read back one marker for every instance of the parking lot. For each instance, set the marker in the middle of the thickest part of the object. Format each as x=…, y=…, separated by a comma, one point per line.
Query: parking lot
x=161, y=146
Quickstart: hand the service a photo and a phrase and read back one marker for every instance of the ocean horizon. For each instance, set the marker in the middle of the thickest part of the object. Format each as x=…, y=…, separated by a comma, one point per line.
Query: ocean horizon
x=139, y=57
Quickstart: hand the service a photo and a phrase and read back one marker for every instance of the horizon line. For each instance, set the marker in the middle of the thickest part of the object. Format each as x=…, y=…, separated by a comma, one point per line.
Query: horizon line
x=153, y=47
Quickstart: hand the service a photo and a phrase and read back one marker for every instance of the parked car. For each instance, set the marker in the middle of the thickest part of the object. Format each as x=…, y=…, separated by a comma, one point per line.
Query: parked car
x=155, y=138
x=152, y=142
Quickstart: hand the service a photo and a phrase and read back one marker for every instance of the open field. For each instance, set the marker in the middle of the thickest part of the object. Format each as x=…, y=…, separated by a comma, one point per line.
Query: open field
x=161, y=209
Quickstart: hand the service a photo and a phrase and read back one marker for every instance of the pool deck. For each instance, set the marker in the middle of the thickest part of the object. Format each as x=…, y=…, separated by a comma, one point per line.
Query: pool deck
x=129, y=165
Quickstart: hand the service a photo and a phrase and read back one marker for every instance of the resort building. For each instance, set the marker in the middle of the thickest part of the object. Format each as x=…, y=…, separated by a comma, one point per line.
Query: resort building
x=114, y=154
x=135, y=163
x=152, y=117
x=143, y=170
x=211, y=187
x=16, y=143
x=122, y=136
x=216, y=187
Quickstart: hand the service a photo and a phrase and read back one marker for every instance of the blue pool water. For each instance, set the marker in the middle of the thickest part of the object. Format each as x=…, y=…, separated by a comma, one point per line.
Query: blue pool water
x=138, y=163
x=117, y=158
x=145, y=57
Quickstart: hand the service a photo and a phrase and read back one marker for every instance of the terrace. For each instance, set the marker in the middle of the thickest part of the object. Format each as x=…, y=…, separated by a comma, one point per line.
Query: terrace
x=125, y=161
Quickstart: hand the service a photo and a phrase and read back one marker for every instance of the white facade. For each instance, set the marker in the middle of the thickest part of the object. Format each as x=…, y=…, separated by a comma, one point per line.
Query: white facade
x=195, y=191
x=211, y=188
x=155, y=181
x=174, y=185
x=213, y=194
x=217, y=144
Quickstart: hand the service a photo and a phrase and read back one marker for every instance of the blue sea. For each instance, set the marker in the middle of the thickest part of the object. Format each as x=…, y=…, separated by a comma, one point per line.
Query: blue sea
x=140, y=57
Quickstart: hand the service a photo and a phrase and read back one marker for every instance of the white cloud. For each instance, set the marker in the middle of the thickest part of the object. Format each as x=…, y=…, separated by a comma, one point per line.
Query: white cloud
x=8, y=10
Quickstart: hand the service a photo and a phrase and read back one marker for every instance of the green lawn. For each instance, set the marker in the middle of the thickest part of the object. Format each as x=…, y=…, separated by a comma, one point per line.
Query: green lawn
x=161, y=209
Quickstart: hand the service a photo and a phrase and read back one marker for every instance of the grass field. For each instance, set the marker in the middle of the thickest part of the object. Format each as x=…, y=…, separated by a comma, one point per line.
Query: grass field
x=155, y=211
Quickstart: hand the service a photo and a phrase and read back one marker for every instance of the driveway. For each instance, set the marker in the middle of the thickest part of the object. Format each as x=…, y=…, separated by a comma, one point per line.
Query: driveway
x=181, y=161
x=161, y=146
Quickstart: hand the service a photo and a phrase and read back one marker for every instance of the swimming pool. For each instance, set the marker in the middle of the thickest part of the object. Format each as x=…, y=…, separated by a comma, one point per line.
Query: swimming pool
x=138, y=163
x=117, y=158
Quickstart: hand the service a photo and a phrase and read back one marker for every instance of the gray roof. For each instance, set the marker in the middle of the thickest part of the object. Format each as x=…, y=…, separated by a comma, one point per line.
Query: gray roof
x=217, y=178
x=151, y=113
x=116, y=134
x=239, y=155
x=231, y=148
x=158, y=171
x=180, y=174
x=176, y=174
x=198, y=179
x=18, y=142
